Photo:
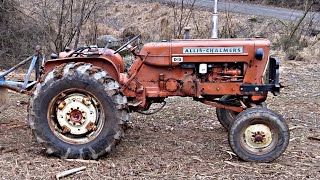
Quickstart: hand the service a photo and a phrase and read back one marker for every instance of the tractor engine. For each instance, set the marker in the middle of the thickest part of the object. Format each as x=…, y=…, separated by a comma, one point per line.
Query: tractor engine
x=220, y=72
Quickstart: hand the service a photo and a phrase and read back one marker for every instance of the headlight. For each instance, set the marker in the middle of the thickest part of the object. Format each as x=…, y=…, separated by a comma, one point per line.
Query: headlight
x=259, y=54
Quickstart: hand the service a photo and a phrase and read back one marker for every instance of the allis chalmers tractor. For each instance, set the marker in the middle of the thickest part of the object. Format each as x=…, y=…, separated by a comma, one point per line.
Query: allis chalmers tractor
x=80, y=104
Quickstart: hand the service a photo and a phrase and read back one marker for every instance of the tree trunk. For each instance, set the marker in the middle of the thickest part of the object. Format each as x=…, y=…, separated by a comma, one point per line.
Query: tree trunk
x=78, y=30
x=59, y=40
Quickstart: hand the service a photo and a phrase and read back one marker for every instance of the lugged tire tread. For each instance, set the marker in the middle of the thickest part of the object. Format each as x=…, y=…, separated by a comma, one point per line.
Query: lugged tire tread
x=65, y=70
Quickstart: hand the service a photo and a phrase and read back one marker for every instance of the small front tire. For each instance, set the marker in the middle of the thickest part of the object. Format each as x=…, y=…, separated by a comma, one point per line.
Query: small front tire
x=259, y=135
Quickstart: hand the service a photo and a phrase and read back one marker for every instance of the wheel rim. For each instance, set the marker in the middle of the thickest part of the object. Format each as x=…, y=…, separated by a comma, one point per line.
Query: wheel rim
x=75, y=117
x=259, y=138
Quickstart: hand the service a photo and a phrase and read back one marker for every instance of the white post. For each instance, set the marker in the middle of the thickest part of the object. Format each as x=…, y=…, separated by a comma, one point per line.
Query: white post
x=215, y=21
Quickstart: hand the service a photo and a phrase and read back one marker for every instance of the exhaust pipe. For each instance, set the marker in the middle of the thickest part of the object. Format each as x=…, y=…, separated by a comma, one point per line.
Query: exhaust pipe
x=215, y=21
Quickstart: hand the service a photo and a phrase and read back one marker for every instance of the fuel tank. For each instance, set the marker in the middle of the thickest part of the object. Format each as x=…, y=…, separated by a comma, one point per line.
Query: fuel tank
x=208, y=50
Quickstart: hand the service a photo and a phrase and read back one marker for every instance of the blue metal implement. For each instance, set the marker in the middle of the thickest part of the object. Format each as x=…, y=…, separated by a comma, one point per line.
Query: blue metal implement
x=24, y=86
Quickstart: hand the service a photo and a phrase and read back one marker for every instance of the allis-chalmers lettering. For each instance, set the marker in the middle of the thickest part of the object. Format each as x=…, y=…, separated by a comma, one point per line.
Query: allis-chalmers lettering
x=212, y=50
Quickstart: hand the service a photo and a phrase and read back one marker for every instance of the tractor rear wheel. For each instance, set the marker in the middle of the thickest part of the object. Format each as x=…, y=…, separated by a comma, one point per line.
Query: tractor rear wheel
x=225, y=116
x=259, y=135
x=78, y=111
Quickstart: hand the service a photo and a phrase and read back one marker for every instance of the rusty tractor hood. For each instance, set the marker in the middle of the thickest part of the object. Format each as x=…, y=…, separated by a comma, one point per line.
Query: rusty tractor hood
x=204, y=50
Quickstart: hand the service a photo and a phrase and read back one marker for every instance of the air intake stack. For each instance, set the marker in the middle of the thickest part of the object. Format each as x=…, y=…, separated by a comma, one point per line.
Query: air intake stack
x=215, y=21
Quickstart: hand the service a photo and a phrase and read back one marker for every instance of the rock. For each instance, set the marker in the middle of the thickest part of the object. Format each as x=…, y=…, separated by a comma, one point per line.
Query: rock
x=102, y=41
x=129, y=33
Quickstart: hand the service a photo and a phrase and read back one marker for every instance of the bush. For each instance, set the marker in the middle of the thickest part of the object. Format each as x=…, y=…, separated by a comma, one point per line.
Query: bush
x=18, y=36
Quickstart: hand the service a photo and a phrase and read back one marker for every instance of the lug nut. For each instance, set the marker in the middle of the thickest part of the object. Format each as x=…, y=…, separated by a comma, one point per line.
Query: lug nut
x=65, y=129
x=86, y=101
x=91, y=127
x=62, y=105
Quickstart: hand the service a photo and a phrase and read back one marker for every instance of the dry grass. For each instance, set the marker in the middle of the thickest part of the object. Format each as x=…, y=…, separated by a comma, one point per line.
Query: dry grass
x=185, y=139
x=295, y=4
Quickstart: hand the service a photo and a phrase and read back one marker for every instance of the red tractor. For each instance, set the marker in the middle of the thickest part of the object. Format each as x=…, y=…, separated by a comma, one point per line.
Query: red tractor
x=81, y=101
x=81, y=104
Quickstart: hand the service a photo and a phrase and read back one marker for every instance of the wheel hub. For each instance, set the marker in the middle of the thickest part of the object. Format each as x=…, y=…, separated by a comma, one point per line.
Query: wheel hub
x=76, y=114
x=258, y=136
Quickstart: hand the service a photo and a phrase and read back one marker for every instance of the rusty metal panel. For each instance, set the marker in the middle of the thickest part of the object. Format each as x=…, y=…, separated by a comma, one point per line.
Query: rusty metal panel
x=104, y=63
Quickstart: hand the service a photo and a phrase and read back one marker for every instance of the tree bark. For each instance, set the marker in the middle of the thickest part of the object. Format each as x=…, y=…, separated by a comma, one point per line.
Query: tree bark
x=59, y=40
x=78, y=30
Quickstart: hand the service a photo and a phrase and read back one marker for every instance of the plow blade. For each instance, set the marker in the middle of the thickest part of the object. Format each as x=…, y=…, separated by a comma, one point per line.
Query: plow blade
x=3, y=98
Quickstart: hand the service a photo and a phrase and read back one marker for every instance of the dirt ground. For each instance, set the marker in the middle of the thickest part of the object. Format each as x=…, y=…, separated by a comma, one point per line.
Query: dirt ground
x=183, y=141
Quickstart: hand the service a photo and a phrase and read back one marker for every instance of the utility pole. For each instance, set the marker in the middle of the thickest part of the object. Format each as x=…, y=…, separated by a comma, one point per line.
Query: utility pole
x=215, y=21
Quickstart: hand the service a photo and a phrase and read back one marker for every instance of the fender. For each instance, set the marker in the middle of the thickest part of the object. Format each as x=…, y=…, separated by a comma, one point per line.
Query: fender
x=102, y=62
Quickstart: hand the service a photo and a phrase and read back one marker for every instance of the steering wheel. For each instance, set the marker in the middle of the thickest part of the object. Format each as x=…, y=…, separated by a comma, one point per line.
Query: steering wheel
x=127, y=43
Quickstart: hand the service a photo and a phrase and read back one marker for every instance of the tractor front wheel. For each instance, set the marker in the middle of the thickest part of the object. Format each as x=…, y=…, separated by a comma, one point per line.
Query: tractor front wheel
x=225, y=116
x=259, y=135
x=78, y=111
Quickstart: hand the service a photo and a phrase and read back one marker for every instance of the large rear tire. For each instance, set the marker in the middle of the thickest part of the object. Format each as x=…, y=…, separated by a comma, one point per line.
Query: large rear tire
x=259, y=135
x=78, y=111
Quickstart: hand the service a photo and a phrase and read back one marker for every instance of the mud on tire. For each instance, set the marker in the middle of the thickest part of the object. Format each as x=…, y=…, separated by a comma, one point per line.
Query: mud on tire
x=78, y=111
